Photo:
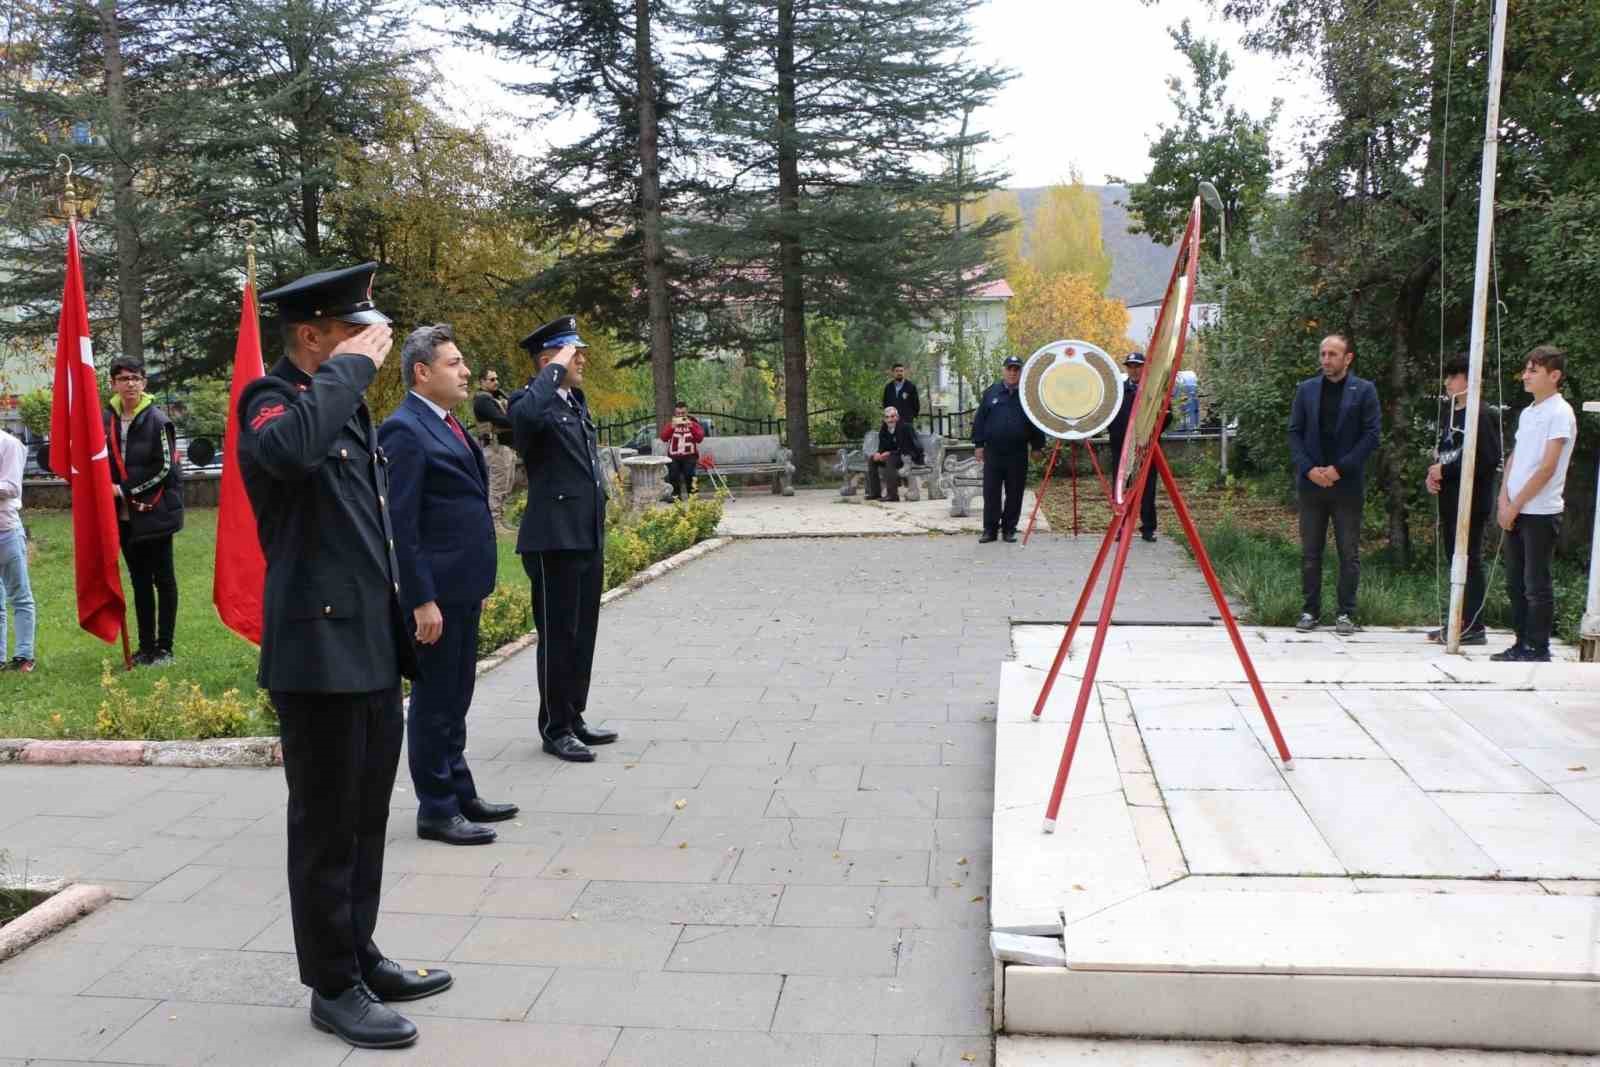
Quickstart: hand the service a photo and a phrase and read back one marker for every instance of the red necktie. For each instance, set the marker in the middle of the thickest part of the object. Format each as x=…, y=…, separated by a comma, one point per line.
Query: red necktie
x=455, y=427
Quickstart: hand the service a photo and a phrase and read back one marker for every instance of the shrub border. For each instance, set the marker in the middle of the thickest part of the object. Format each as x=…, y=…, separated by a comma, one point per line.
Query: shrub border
x=266, y=751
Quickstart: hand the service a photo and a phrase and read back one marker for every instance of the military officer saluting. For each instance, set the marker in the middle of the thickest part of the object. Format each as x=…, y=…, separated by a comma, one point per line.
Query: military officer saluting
x=334, y=643
x=563, y=536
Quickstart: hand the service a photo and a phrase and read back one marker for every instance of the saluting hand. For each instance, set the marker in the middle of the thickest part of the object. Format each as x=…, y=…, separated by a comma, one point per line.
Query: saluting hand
x=564, y=356
x=373, y=342
x=430, y=622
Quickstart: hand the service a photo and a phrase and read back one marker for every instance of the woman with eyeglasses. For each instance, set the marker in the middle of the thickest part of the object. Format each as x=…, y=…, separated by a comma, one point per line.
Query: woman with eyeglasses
x=146, y=478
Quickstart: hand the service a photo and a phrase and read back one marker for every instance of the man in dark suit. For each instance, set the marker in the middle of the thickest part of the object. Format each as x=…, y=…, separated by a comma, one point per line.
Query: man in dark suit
x=902, y=396
x=1003, y=434
x=896, y=444
x=563, y=537
x=334, y=642
x=1118, y=433
x=1333, y=429
x=445, y=543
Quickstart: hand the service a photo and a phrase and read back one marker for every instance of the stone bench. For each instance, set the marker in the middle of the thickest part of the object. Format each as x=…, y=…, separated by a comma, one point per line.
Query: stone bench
x=961, y=480
x=853, y=465
x=752, y=456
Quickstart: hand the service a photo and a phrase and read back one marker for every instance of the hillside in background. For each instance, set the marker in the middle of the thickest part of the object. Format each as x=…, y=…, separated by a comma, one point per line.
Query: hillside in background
x=1139, y=267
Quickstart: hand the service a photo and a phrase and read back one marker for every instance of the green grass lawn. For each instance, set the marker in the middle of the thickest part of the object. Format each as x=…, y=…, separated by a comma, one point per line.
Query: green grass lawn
x=71, y=662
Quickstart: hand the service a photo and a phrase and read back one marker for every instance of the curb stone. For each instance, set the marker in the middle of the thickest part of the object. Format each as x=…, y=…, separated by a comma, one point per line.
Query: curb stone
x=265, y=751
x=49, y=916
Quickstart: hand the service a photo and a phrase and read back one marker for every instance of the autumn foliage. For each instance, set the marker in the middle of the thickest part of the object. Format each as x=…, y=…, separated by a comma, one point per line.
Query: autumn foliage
x=1050, y=307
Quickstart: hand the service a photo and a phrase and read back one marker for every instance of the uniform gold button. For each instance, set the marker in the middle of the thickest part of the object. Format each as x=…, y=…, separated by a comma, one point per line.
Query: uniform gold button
x=396, y=587
x=327, y=609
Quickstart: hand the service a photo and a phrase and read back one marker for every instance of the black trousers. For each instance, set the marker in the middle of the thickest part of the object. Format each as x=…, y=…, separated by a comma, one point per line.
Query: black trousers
x=1449, y=500
x=681, y=474
x=1008, y=470
x=566, y=612
x=154, y=580
x=1530, y=546
x=877, y=483
x=340, y=754
x=1317, y=508
x=1147, y=503
x=436, y=724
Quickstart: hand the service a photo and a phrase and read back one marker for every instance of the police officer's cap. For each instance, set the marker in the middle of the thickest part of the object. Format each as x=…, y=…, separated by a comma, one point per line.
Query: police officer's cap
x=344, y=294
x=1135, y=359
x=554, y=334
x=1012, y=361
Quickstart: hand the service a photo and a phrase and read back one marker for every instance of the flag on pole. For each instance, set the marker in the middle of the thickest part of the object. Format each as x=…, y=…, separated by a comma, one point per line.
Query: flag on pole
x=241, y=569
x=78, y=454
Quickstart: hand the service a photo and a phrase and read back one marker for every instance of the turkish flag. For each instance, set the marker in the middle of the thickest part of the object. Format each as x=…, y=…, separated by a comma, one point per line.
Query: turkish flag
x=241, y=568
x=78, y=454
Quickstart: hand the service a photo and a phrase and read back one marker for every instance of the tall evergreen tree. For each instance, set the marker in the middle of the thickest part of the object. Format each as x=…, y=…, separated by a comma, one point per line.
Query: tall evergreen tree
x=823, y=116
x=605, y=194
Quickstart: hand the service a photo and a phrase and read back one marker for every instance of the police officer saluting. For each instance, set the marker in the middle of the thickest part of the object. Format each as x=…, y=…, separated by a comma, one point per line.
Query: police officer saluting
x=334, y=642
x=563, y=537
x=1002, y=433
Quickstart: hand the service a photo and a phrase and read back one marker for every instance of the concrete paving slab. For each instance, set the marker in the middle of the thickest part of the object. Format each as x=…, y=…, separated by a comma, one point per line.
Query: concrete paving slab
x=786, y=950
x=210, y=976
x=1025, y=1051
x=1528, y=836
x=481, y=1043
x=641, y=1047
x=569, y=943
x=659, y=999
x=821, y=1005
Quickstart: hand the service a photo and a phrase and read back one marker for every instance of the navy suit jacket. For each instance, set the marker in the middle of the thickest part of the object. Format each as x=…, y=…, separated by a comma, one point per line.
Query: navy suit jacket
x=439, y=507
x=1355, y=435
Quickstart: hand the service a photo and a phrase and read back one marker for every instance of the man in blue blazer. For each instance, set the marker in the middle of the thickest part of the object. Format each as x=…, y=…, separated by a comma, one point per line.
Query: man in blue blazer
x=445, y=544
x=1333, y=430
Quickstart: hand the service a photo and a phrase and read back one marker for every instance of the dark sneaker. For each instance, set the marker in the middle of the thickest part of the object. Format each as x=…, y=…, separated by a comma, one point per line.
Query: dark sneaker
x=161, y=658
x=1515, y=654
x=1307, y=623
x=1468, y=637
x=1345, y=626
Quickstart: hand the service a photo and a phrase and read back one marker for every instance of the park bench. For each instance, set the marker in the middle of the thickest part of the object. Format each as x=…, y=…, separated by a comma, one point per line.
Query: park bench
x=853, y=465
x=961, y=480
x=751, y=456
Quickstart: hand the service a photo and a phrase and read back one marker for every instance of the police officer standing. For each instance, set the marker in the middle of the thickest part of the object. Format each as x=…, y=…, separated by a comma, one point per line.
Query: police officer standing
x=1002, y=433
x=563, y=537
x=334, y=643
x=1117, y=432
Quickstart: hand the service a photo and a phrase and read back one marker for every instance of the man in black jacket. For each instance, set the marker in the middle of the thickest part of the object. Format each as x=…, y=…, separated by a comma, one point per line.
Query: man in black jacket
x=902, y=396
x=896, y=444
x=563, y=537
x=492, y=425
x=1002, y=433
x=148, y=482
x=334, y=643
x=1444, y=481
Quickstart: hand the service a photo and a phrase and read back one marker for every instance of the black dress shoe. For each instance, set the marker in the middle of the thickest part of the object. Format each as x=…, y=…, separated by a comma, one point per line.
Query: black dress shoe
x=570, y=749
x=1009, y=537
x=592, y=735
x=480, y=810
x=987, y=538
x=362, y=1019
x=391, y=982
x=456, y=830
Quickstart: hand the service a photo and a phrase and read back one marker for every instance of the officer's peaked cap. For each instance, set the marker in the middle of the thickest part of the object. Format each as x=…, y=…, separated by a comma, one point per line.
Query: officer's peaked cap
x=1012, y=361
x=344, y=294
x=554, y=334
x=1135, y=359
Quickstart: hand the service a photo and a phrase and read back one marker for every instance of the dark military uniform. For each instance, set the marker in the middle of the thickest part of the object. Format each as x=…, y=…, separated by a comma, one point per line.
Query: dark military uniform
x=1002, y=429
x=333, y=647
x=563, y=535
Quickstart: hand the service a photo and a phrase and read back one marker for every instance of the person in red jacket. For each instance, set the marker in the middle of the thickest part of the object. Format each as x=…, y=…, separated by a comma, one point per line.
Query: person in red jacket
x=683, y=436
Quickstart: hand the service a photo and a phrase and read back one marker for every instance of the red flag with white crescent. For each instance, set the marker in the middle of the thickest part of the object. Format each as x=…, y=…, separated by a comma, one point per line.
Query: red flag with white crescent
x=78, y=454
x=241, y=571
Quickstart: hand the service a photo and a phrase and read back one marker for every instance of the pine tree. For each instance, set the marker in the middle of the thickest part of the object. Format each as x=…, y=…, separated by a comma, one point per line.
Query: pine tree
x=821, y=116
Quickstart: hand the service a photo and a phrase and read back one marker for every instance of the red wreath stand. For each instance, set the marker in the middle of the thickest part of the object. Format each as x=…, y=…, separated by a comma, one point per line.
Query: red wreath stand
x=1120, y=535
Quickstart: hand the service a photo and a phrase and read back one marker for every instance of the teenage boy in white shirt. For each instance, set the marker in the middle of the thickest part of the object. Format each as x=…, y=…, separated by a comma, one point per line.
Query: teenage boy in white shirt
x=1531, y=503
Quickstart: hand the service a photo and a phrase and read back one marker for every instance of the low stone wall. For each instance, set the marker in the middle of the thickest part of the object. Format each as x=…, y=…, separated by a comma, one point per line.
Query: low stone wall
x=200, y=490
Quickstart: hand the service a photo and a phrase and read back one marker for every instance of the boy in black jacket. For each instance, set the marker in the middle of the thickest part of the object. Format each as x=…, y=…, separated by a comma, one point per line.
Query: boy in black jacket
x=1444, y=481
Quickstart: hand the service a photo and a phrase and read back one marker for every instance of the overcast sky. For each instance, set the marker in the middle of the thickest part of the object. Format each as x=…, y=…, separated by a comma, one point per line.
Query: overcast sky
x=1090, y=87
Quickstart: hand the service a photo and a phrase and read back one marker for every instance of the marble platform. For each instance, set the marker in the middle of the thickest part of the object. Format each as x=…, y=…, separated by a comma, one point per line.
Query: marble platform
x=1424, y=872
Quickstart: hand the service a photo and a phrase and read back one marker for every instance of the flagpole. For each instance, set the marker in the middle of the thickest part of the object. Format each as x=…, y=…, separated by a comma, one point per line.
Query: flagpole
x=1480, y=311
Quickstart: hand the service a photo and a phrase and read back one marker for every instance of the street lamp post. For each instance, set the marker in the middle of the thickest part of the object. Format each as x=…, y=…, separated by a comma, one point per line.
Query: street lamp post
x=1208, y=193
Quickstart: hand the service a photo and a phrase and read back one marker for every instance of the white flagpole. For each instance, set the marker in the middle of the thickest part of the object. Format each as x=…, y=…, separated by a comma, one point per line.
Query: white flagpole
x=1480, y=309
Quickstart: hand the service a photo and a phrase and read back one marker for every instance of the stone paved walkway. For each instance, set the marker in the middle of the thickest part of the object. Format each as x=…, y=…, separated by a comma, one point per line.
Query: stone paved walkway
x=824, y=513
x=785, y=860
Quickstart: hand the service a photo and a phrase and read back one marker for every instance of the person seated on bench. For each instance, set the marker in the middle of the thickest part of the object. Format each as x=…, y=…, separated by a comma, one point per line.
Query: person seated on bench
x=895, y=441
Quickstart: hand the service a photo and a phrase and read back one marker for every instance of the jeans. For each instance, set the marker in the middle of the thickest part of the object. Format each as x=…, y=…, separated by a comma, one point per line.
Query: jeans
x=1530, y=545
x=17, y=593
x=150, y=571
x=1317, y=507
x=1472, y=610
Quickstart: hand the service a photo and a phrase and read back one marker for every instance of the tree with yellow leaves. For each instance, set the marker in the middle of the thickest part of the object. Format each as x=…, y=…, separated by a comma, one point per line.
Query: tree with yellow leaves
x=1065, y=236
x=1052, y=307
